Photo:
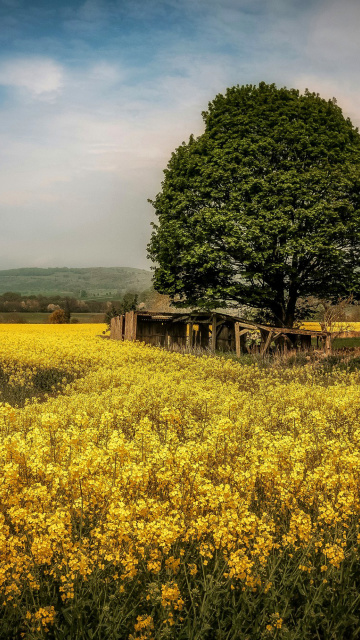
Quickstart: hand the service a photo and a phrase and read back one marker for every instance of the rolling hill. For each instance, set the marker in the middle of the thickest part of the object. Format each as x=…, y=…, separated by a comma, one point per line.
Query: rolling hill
x=91, y=282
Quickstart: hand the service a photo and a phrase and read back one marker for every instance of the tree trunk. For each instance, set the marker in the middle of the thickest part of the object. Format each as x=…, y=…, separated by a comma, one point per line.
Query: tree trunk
x=284, y=316
x=291, y=306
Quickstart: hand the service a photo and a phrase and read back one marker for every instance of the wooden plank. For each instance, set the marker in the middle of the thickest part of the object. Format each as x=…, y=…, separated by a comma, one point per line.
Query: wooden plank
x=287, y=341
x=130, y=325
x=237, y=340
x=328, y=344
x=213, y=333
x=112, y=328
x=134, y=325
x=191, y=334
x=116, y=328
x=276, y=336
x=266, y=343
x=204, y=335
x=121, y=327
x=282, y=330
x=127, y=329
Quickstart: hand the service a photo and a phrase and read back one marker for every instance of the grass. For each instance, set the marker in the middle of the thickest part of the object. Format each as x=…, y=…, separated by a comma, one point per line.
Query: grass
x=43, y=318
x=346, y=343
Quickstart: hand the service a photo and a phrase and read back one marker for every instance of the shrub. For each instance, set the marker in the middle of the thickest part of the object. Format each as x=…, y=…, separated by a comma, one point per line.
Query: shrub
x=58, y=317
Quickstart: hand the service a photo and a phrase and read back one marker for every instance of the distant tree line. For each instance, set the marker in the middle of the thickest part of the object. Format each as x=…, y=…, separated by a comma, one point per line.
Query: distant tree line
x=16, y=303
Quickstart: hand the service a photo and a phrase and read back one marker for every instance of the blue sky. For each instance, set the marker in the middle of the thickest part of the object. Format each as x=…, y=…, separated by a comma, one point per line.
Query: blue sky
x=95, y=95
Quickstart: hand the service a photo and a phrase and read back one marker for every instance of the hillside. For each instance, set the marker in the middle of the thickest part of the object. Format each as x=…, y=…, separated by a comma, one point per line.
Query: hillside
x=89, y=282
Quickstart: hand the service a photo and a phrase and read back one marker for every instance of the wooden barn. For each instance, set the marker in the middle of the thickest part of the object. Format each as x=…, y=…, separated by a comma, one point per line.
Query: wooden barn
x=207, y=330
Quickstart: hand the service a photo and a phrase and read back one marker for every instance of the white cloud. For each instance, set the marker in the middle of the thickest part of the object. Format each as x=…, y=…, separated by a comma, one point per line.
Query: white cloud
x=42, y=77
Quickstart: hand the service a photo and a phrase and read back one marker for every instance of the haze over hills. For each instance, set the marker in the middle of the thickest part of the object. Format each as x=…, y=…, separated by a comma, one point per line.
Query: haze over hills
x=79, y=282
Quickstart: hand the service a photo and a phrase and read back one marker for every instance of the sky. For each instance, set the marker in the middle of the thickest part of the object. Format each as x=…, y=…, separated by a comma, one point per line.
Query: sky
x=96, y=95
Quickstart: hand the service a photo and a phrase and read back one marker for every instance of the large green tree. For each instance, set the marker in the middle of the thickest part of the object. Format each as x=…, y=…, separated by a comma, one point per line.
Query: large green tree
x=263, y=208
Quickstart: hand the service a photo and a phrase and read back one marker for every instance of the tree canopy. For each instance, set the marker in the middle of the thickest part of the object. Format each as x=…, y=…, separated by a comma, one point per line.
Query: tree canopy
x=263, y=208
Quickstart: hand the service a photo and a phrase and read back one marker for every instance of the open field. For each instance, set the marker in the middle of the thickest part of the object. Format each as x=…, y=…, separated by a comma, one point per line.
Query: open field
x=346, y=343
x=151, y=495
x=335, y=326
x=43, y=318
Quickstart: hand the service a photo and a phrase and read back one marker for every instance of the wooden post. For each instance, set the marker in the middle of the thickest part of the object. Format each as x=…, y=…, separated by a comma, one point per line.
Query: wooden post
x=263, y=338
x=191, y=335
x=328, y=343
x=242, y=334
x=285, y=340
x=121, y=327
x=116, y=326
x=204, y=335
x=134, y=325
x=237, y=340
x=266, y=343
x=130, y=325
x=213, y=332
x=112, y=328
x=168, y=338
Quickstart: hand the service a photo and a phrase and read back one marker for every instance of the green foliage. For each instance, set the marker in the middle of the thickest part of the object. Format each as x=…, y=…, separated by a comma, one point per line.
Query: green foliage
x=264, y=207
x=289, y=604
x=128, y=303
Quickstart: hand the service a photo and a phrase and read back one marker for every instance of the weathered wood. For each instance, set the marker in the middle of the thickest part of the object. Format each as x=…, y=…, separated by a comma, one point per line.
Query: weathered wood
x=276, y=336
x=130, y=325
x=168, y=340
x=172, y=330
x=134, y=325
x=117, y=329
x=116, y=325
x=219, y=327
x=267, y=342
x=121, y=327
x=305, y=342
x=204, y=335
x=213, y=332
x=112, y=328
x=191, y=335
x=328, y=343
x=287, y=341
x=237, y=340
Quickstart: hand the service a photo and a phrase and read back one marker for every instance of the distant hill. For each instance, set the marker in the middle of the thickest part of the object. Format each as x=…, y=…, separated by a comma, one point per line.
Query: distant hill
x=92, y=282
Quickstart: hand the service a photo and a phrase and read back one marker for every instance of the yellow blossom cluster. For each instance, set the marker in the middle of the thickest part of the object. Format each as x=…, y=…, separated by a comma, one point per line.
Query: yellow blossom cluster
x=151, y=462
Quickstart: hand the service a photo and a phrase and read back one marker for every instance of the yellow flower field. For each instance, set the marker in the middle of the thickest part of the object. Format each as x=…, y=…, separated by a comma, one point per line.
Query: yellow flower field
x=335, y=327
x=157, y=495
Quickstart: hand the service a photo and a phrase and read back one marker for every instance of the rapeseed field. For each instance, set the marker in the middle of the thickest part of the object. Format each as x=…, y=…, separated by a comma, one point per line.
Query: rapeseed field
x=148, y=495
